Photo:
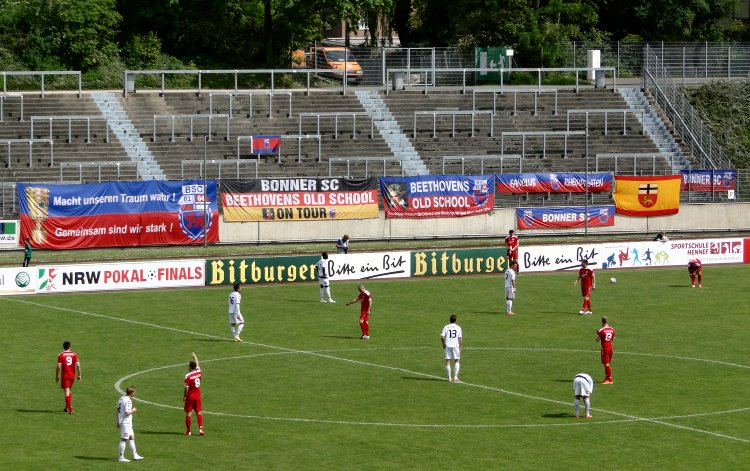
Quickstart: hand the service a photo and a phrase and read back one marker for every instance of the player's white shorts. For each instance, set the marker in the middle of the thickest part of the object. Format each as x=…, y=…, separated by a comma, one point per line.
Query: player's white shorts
x=510, y=293
x=581, y=386
x=236, y=319
x=126, y=431
x=452, y=353
x=323, y=282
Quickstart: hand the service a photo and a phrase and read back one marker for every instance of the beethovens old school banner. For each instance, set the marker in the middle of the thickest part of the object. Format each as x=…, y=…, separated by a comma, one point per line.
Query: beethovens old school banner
x=437, y=196
x=118, y=214
x=299, y=199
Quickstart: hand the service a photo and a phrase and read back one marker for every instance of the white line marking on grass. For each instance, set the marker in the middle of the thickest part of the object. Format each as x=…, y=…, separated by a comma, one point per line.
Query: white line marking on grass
x=375, y=365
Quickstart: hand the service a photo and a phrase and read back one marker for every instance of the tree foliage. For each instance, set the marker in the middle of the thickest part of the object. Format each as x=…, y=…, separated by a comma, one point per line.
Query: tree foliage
x=88, y=34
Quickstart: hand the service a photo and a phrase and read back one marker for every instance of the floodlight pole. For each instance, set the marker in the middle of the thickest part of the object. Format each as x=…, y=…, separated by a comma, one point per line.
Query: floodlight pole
x=205, y=195
x=586, y=183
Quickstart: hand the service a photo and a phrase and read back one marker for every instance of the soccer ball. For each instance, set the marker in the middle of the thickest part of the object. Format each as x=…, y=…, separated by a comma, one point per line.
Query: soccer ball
x=613, y=280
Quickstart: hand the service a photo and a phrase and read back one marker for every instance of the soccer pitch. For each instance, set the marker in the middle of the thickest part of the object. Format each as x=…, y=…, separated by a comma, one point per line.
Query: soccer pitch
x=304, y=392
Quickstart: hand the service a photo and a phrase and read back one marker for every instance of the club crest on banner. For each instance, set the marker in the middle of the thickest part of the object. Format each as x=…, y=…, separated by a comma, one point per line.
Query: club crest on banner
x=195, y=214
x=647, y=194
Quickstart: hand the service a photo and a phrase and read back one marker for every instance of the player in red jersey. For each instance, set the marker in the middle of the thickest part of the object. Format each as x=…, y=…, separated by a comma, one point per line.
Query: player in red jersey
x=606, y=335
x=511, y=246
x=68, y=367
x=192, y=395
x=365, y=298
x=588, y=282
x=695, y=268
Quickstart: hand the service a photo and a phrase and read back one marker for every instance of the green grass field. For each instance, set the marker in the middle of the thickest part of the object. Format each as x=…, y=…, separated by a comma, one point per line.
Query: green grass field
x=303, y=392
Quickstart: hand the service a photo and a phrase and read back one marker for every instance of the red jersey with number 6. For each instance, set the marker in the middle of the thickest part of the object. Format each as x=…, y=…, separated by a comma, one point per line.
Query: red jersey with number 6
x=68, y=361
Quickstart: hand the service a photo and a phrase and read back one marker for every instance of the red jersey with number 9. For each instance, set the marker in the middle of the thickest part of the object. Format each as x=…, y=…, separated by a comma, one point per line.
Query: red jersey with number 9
x=68, y=361
x=193, y=383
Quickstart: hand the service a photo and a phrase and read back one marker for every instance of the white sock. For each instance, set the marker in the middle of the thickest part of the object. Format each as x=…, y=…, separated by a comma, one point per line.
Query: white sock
x=234, y=331
x=328, y=292
x=577, y=403
x=240, y=326
x=508, y=306
x=132, y=447
x=121, y=448
x=322, y=292
x=456, y=367
x=448, y=370
x=587, y=403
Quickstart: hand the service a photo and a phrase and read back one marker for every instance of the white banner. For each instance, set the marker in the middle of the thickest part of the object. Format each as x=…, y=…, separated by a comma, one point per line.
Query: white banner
x=9, y=232
x=17, y=281
x=614, y=255
x=121, y=276
x=364, y=266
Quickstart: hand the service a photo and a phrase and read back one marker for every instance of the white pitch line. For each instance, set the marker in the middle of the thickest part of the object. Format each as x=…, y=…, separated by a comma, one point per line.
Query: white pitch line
x=375, y=365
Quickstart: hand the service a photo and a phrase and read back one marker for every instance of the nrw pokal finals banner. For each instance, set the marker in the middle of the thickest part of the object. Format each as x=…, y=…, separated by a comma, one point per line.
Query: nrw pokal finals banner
x=118, y=214
x=436, y=196
x=299, y=199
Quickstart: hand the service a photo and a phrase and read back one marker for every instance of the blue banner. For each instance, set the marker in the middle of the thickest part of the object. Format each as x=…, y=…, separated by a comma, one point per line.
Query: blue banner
x=434, y=196
x=709, y=180
x=565, y=217
x=552, y=182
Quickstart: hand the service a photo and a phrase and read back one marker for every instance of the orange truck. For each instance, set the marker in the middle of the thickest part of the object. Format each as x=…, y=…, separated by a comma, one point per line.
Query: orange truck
x=334, y=60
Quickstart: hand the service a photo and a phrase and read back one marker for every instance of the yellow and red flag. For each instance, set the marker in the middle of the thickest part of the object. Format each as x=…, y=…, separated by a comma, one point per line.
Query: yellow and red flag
x=647, y=196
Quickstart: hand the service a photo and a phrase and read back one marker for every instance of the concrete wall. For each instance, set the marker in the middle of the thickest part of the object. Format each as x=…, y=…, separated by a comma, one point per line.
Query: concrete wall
x=692, y=217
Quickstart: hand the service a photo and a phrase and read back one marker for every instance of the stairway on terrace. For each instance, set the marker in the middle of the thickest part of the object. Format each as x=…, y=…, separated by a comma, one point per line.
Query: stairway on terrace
x=76, y=143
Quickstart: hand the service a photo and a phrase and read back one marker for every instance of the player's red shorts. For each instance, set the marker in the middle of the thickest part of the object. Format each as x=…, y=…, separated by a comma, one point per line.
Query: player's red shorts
x=586, y=290
x=606, y=356
x=513, y=254
x=364, y=316
x=193, y=403
x=66, y=382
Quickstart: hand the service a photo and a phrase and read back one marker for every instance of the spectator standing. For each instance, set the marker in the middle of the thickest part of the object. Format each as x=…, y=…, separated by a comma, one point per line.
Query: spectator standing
x=27, y=250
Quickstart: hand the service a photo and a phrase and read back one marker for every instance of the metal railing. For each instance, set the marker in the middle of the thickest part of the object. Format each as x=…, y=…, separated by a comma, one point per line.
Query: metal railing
x=634, y=158
x=515, y=91
x=298, y=137
x=99, y=166
x=453, y=114
x=219, y=163
x=191, y=117
x=544, y=134
x=70, y=119
x=249, y=96
x=593, y=111
x=30, y=142
x=4, y=97
x=366, y=160
x=685, y=120
x=481, y=158
x=42, y=74
x=336, y=115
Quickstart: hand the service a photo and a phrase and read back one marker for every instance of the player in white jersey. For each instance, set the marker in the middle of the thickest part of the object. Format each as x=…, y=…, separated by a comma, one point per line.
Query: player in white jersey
x=452, y=339
x=125, y=411
x=325, y=289
x=510, y=287
x=583, y=387
x=236, y=321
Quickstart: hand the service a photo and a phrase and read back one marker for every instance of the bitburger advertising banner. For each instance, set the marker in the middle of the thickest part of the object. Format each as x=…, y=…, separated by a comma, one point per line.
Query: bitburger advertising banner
x=61, y=216
x=437, y=196
x=299, y=199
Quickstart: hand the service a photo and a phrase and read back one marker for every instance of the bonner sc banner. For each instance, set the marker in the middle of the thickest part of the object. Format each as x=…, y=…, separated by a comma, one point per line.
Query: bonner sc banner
x=299, y=199
x=118, y=214
x=436, y=196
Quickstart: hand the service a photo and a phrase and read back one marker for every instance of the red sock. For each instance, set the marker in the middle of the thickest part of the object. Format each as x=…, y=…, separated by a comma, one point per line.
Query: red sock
x=692, y=279
x=367, y=328
x=188, y=421
x=69, y=401
x=583, y=308
x=200, y=420
x=588, y=304
x=607, y=372
x=700, y=278
x=363, y=328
